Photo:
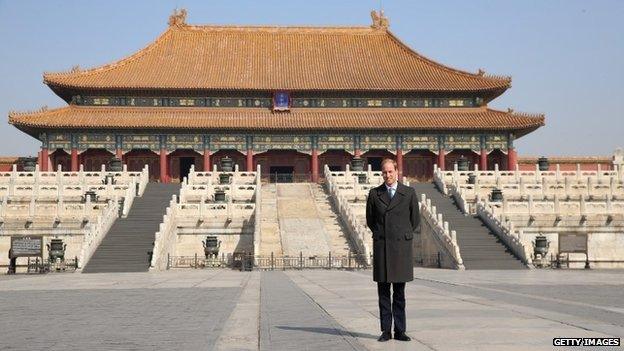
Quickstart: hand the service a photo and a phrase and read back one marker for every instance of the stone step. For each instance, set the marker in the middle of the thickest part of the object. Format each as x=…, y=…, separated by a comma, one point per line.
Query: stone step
x=125, y=246
x=479, y=247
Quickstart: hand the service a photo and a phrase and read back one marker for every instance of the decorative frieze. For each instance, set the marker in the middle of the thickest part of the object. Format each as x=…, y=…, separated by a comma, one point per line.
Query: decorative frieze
x=185, y=141
x=423, y=142
x=43, y=137
x=496, y=141
x=336, y=142
x=463, y=141
x=264, y=102
x=229, y=141
x=262, y=143
x=59, y=141
x=138, y=141
x=94, y=141
x=383, y=141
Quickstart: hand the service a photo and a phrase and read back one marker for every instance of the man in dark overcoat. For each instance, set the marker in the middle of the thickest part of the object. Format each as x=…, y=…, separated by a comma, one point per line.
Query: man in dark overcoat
x=392, y=215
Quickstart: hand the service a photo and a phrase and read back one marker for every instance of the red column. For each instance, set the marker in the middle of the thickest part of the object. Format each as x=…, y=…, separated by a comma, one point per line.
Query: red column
x=74, y=159
x=206, y=160
x=441, y=159
x=399, y=160
x=314, y=166
x=249, y=160
x=119, y=154
x=163, y=166
x=483, y=160
x=511, y=159
x=43, y=160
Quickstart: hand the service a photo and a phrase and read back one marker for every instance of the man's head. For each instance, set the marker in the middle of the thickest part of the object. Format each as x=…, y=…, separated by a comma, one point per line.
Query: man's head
x=389, y=171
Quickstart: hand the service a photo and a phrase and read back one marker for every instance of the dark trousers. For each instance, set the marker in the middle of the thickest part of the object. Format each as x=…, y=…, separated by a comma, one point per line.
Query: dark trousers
x=391, y=309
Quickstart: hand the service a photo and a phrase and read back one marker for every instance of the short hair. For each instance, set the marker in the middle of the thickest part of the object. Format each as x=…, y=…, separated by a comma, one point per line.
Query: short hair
x=389, y=160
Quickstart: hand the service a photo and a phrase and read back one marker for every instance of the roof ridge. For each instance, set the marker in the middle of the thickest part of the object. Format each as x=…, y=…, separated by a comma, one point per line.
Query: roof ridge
x=479, y=74
x=511, y=111
x=274, y=27
x=42, y=109
x=98, y=69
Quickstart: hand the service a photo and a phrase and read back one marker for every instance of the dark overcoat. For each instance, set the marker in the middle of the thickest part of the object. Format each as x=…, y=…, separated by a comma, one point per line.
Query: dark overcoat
x=393, y=223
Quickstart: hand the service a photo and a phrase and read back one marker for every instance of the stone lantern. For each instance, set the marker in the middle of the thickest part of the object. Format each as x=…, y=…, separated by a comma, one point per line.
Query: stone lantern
x=496, y=195
x=543, y=164
x=219, y=195
x=91, y=195
x=227, y=164
x=472, y=178
x=462, y=164
x=115, y=165
x=357, y=164
x=29, y=164
x=56, y=250
x=362, y=178
x=540, y=246
x=211, y=247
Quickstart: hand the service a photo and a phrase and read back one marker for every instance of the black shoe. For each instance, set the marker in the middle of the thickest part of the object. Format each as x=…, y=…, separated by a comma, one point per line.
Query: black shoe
x=401, y=336
x=385, y=336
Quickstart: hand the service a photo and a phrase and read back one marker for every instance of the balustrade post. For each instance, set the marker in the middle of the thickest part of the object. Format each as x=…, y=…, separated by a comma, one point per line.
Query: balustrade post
x=330, y=259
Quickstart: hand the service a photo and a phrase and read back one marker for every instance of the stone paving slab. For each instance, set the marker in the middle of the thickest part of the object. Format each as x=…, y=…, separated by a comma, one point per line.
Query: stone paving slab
x=241, y=330
x=445, y=312
x=290, y=320
x=120, y=319
x=306, y=310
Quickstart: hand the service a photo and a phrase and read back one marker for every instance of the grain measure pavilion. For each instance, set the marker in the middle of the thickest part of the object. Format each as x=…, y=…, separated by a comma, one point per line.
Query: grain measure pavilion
x=290, y=99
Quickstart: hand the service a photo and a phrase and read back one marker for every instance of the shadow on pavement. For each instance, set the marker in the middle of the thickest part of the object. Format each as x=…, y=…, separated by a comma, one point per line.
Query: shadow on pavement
x=331, y=331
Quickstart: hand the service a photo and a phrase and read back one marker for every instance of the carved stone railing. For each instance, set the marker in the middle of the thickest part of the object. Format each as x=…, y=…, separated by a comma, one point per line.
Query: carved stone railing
x=51, y=212
x=446, y=240
x=212, y=177
x=73, y=178
x=257, y=213
x=506, y=233
x=193, y=211
x=359, y=233
x=517, y=176
x=165, y=238
x=96, y=231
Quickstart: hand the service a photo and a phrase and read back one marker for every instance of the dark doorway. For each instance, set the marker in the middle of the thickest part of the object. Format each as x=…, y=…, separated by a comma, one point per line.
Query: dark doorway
x=375, y=163
x=335, y=168
x=185, y=166
x=281, y=174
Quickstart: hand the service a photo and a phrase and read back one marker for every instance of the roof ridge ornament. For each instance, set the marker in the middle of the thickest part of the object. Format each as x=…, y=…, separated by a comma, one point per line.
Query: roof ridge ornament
x=380, y=21
x=178, y=18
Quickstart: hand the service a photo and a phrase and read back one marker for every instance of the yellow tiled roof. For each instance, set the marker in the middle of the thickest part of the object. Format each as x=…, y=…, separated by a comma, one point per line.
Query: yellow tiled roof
x=272, y=58
x=261, y=119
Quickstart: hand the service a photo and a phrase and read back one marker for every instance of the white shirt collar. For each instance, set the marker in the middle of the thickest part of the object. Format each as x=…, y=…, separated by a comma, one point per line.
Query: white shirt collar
x=394, y=186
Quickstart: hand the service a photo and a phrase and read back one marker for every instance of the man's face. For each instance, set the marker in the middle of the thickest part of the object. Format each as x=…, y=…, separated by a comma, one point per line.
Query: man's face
x=389, y=173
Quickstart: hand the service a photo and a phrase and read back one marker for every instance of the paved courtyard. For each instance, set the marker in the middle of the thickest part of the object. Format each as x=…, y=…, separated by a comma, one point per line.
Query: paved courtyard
x=305, y=310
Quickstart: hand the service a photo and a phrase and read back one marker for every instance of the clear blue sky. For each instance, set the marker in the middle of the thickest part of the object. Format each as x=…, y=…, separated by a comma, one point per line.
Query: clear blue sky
x=566, y=57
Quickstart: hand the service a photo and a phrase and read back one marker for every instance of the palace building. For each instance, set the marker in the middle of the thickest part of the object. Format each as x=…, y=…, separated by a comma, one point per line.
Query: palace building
x=290, y=99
